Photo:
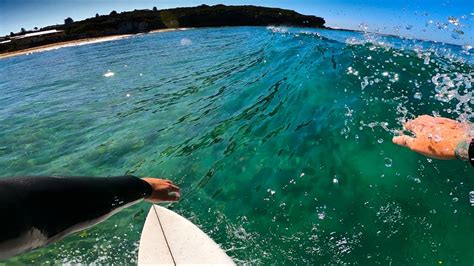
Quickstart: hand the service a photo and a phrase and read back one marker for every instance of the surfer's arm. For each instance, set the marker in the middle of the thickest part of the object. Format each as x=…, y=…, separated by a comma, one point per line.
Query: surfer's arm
x=39, y=210
x=439, y=138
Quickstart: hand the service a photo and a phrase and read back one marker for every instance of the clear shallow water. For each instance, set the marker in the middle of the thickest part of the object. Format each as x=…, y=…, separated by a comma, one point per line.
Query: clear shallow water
x=279, y=138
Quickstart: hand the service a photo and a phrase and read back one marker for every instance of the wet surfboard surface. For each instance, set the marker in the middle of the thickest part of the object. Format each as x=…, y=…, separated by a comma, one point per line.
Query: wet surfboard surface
x=168, y=238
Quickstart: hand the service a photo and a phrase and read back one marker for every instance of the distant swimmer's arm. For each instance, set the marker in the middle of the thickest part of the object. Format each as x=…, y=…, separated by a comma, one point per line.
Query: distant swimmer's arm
x=438, y=138
x=37, y=211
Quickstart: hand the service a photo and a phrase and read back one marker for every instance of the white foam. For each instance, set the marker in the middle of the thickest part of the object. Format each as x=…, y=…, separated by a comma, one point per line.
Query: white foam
x=109, y=74
x=186, y=42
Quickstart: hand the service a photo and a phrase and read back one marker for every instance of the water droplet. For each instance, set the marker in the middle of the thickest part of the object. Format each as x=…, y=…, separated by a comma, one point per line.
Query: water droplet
x=388, y=162
x=453, y=20
x=335, y=181
x=457, y=34
x=321, y=215
x=186, y=42
x=380, y=141
x=363, y=26
x=442, y=26
x=109, y=74
x=466, y=48
x=417, y=95
x=455, y=199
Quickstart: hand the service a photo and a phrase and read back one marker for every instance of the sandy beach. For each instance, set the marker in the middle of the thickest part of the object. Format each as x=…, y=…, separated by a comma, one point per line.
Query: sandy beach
x=59, y=45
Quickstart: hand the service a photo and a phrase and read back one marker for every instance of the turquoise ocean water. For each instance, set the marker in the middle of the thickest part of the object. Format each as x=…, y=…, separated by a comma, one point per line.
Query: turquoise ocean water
x=280, y=139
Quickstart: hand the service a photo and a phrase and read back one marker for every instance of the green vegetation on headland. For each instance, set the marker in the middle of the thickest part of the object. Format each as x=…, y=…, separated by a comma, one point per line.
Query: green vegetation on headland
x=140, y=21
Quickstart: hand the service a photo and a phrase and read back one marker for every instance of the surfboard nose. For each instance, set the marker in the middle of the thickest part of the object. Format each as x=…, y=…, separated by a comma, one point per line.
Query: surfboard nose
x=168, y=238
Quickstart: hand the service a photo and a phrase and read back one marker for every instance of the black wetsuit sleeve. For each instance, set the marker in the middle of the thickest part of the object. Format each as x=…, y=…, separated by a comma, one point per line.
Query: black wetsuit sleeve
x=38, y=210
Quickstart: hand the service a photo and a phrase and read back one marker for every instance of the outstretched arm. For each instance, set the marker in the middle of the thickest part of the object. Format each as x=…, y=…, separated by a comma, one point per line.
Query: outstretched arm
x=39, y=210
x=437, y=137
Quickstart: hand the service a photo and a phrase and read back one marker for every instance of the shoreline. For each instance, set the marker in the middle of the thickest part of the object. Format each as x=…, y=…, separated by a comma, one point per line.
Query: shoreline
x=85, y=41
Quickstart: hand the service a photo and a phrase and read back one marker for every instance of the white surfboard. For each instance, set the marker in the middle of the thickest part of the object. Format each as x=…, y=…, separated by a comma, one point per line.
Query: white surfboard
x=168, y=238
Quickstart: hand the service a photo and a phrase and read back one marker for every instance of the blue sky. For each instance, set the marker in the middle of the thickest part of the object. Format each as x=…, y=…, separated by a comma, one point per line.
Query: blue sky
x=411, y=18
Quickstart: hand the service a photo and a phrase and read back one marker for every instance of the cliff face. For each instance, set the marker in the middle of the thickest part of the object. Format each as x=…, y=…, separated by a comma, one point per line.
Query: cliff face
x=221, y=15
x=201, y=16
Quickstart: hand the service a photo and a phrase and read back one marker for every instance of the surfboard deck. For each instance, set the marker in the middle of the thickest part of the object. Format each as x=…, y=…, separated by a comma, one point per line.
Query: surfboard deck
x=168, y=238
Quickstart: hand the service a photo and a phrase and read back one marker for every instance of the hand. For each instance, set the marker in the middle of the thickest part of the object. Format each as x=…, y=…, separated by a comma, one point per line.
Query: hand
x=435, y=137
x=163, y=190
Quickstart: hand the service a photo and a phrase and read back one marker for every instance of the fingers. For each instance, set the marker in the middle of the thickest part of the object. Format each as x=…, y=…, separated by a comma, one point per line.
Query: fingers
x=425, y=126
x=415, y=126
x=160, y=179
x=163, y=182
x=442, y=120
x=404, y=140
x=163, y=190
x=173, y=188
x=409, y=125
x=172, y=197
x=423, y=119
x=420, y=125
x=426, y=120
x=172, y=194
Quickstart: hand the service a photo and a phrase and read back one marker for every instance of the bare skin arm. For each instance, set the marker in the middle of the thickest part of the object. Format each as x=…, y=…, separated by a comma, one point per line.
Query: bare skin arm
x=436, y=137
x=162, y=190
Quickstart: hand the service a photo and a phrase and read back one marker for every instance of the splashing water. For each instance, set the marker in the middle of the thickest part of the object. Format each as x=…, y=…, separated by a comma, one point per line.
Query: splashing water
x=235, y=117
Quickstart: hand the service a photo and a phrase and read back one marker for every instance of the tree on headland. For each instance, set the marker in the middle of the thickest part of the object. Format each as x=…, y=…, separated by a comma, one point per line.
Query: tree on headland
x=113, y=12
x=155, y=9
x=68, y=21
x=22, y=30
x=97, y=15
x=11, y=33
x=35, y=28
